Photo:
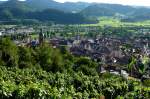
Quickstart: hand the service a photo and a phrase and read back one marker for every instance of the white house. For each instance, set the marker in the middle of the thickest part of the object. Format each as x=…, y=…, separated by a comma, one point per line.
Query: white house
x=0, y=33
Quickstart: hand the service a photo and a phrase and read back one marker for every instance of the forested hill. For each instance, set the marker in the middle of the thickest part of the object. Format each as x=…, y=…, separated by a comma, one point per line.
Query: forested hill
x=42, y=4
x=96, y=10
x=127, y=13
x=68, y=12
x=17, y=10
x=107, y=10
x=66, y=7
x=140, y=14
x=51, y=4
x=59, y=17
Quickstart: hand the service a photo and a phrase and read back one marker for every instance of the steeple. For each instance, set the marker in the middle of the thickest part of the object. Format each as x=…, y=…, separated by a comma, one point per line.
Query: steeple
x=41, y=36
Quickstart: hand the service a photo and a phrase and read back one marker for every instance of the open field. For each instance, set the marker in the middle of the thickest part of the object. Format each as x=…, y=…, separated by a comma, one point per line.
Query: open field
x=116, y=22
x=105, y=21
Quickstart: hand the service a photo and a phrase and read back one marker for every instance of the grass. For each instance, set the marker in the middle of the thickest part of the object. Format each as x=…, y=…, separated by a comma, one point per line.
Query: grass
x=105, y=21
x=34, y=36
x=116, y=22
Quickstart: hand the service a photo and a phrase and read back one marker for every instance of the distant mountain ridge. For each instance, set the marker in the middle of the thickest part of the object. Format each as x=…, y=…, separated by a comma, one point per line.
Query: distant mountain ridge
x=66, y=7
x=81, y=10
x=41, y=4
x=129, y=13
x=18, y=10
x=97, y=9
x=15, y=4
x=47, y=4
x=113, y=8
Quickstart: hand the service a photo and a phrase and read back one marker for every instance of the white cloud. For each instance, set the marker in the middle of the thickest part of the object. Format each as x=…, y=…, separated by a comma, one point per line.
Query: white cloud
x=124, y=2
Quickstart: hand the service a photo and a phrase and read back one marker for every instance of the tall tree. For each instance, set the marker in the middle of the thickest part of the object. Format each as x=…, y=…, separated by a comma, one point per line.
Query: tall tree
x=8, y=52
x=25, y=57
x=131, y=65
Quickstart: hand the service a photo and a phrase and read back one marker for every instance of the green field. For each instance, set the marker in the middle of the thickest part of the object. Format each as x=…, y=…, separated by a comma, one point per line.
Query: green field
x=116, y=22
x=105, y=21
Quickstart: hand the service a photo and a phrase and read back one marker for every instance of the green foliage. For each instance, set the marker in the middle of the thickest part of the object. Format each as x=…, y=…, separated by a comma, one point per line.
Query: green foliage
x=8, y=53
x=25, y=57
x=7, y=14
x=29, y=83
x=44, y=54
x=145, y=64
x=86, y=65
x=50, y=59
x=146, y=83
x=131, y=64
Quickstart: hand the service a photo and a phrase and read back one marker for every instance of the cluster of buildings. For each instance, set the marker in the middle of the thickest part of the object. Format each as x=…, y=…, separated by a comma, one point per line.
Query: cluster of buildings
x=16, y=30
x=111, y=53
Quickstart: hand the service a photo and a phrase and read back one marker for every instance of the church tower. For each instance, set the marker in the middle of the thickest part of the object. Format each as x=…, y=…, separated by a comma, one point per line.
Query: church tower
x=41, y=36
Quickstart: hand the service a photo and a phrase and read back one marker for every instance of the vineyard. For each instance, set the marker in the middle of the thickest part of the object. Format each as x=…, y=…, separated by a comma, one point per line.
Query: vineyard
x=32, y=83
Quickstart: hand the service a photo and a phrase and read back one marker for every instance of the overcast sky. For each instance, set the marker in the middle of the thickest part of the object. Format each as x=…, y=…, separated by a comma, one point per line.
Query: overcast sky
x=124, y=2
